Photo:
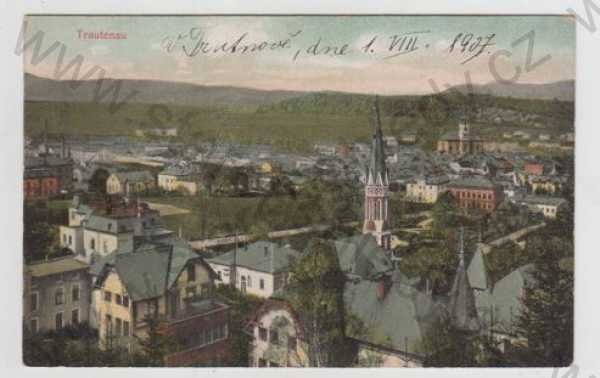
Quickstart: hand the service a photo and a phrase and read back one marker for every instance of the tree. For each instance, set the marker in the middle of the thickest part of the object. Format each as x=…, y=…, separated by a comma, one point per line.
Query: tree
x=156, y=345
x=444, y=345
x=444, y=212
x=316, y=291
x=546, y=320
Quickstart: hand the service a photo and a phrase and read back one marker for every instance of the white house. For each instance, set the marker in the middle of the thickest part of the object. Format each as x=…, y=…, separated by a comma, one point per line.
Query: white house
x=277, y=338
x=261, y=268
x=426, y=190
x=100, y=231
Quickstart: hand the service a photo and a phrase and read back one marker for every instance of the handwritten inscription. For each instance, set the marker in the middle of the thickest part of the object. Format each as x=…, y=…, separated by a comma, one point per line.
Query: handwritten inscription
x=470, y=45
x=197, y=42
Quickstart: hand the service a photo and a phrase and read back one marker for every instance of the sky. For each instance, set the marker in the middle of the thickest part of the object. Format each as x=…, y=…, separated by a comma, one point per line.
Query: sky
x=161, y=48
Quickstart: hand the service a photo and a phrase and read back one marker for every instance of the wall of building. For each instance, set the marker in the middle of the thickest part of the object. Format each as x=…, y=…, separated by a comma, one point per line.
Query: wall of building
x=119, y=312
x=266, y=352
x=251, y=278
x=72, y=238
x=47, y=308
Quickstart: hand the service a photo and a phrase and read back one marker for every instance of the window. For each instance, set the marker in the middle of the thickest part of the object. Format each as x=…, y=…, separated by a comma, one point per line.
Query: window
x=292, y=343
x=107, y=296
x=249, y=281
x=191, y=291
x=75, y=316
x=125, y=301
x=262, y=333
x=118, y=299
x=274, y=336
x=108, y=320
x=262, y=362
x=59, y=297
x=191, y=272
x=58, y=320
x=33, y=325
x=118, y=326
x=33, y=301
x=70, y=240
x=75, y=293
x=262, y=284
x=125, y=328
x=64, y=238
x=92, y=244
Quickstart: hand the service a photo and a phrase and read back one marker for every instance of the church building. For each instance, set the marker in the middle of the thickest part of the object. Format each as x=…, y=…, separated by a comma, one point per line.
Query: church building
x=376, y=217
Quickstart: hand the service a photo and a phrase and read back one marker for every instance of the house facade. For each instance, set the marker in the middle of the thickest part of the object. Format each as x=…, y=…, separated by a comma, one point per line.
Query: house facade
x=100, y=228
x=125, y=183
x=476, y=193
x=277, y=337
x=46, y=177
x=259, y=268
x=426, y=190
x=56, y=294
x=166, y=283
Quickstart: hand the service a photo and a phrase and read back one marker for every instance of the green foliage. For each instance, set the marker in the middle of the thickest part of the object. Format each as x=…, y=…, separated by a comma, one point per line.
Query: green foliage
x=546, y=321
x=72, y=346
x=317, y=203
x=40, y=230
x=444, y=212
x=316, y=292
x=443, y=345
x=155, y=346
x=241, y=307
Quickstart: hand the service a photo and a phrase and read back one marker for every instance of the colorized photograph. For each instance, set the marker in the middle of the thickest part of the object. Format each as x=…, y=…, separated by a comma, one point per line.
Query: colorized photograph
x=298, y=191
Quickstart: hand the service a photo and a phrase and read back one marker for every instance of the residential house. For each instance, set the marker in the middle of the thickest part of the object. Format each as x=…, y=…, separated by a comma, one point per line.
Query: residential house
x=426, y=189
x=56, y=294
x=167, y=283
x=98, y=228
x=259, y=268
x=476, y=193
x=125, y=183
x=277, y=337
x=47, y=176
x=180, y=178
x=548, y=206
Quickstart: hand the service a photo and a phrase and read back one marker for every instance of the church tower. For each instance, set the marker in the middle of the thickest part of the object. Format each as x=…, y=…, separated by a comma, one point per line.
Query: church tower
x=376, y=216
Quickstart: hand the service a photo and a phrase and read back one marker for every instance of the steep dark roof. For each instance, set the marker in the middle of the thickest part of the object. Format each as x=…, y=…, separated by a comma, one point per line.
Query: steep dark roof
x=397, y=321
x=361, y=256
x=376, y=165
x=144, y=274
x=461, y=306
x=261, y=256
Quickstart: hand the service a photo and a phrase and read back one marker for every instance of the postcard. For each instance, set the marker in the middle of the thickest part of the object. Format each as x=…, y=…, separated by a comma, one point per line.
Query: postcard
x=273, y=191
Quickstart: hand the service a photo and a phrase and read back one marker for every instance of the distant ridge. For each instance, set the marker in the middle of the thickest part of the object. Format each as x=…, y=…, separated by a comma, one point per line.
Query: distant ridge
x=152, y=91
x=560, y=90
x=167, y=92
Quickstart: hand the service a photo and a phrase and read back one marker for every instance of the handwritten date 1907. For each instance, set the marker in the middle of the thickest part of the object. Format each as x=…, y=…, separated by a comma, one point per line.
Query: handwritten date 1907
x=470, y=45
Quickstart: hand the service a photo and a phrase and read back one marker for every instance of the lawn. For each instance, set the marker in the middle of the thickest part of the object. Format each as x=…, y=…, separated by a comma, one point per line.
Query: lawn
x=218, y=216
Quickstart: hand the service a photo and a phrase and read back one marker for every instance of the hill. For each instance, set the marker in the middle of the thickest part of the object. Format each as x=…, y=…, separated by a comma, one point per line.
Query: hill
x=151, y=92
x=560, y=90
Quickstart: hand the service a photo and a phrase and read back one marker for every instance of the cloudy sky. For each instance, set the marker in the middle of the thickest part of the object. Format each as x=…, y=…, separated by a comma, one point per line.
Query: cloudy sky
x=159, y=47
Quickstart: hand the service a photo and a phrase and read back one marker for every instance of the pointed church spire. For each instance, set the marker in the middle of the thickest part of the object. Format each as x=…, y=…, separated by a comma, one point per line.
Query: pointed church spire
x=376, y=218
x=377, y=166
x=461, y=307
